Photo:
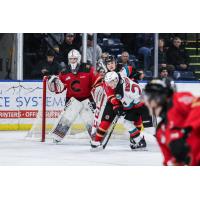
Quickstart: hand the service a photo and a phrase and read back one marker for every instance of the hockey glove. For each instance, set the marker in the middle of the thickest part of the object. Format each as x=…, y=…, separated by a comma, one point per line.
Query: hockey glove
x=52, y=78
x=55, y=85
x=180, y=149
x=118, y=110
x=45, y=72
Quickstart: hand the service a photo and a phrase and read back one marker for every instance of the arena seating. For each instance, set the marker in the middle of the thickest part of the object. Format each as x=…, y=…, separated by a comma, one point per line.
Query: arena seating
x=184, y=75
x=114, y=46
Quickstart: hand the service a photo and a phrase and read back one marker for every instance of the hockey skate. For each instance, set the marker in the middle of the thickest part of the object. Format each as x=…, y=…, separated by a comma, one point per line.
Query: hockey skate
x=141, y=144
x=95, y=145
x=55, y=141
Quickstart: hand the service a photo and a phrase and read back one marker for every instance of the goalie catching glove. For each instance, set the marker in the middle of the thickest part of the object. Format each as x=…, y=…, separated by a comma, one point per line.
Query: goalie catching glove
x=55, y=85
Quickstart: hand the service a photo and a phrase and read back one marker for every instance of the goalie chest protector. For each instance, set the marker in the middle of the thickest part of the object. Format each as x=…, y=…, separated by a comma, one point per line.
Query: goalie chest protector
x=78, y=85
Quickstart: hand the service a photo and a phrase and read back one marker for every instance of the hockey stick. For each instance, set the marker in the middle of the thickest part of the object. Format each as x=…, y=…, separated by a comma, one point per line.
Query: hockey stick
x=110, y=131
x=154, y=119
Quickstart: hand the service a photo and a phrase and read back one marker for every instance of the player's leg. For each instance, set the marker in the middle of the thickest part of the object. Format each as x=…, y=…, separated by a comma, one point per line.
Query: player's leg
x=72, y=109
x=100, y=99
x=139, y=123
x=133, y=123
x=106, y=120
x=146, y=117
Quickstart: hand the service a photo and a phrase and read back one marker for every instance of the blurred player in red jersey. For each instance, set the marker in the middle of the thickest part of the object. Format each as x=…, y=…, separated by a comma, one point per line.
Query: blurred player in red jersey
x=178, y=133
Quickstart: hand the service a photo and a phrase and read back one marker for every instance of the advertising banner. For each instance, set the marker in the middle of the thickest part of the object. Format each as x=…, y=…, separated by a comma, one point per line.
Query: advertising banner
x=20, y=102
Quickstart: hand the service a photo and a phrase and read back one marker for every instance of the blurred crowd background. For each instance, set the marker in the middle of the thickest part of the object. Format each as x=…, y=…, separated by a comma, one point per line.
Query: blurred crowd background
x=178, y=53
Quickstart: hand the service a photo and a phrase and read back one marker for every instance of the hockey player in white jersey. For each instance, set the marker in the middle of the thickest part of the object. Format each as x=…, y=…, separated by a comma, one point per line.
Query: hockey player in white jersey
x=105, y=112
x=125, y=97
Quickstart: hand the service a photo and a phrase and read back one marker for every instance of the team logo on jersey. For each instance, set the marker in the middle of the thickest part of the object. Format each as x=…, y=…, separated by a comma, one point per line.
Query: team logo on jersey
x=75, y=86
x=107, y=117
x=163, y=139
x=118, y=96
x=186, y=99
x=68, y=78
x=174, y=135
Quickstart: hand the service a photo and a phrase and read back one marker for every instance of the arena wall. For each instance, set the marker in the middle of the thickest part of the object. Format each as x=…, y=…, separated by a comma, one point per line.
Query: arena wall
x=21, y=100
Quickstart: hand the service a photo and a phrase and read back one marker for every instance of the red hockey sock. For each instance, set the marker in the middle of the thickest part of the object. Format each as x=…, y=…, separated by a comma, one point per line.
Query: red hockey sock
x=98, y=137
x=103, y=127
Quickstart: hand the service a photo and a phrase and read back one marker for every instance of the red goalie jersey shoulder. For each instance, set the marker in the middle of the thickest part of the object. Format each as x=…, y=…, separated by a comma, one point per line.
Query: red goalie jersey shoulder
x=79, y=85
x=183, y=113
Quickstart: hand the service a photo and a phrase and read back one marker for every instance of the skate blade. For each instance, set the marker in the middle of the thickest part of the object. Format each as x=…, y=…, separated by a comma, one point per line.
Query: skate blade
x=140, y=149
x=100, y=148
x=56, y=142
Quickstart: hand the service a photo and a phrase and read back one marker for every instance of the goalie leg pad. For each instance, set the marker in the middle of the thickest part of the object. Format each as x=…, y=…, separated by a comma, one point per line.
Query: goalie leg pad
x=72, y=109
x=87, y=115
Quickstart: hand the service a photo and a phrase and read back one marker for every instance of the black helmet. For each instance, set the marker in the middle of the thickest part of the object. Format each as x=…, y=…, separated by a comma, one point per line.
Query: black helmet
x=110, y=58
x=158, y=90
x=50, y=53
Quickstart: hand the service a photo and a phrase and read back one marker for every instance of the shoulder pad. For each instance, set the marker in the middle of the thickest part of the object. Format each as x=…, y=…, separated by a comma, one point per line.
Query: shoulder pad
x=87, y=65
x=65, y=70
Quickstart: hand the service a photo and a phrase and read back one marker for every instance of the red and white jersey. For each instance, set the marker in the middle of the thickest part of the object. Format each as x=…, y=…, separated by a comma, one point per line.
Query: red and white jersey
x=126, y=71
x=130, y=94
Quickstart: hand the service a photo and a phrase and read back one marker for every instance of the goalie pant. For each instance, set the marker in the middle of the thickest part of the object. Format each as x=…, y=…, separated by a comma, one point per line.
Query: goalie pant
x=183, y=112
x=129, y=97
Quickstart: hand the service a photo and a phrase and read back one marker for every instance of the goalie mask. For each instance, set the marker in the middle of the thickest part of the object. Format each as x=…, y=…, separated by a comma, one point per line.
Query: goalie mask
x=74, y=59
x=111, y=79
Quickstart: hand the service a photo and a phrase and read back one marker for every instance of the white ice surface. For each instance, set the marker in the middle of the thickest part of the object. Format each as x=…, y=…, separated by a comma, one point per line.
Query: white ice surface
x=15, y=150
